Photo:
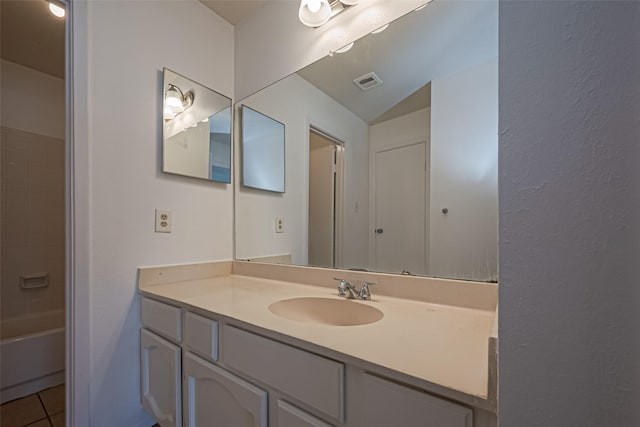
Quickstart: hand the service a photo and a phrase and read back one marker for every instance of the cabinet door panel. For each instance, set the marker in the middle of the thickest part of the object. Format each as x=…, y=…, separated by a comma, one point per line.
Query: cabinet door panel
x=385, y=403
x=290, y=416
x=217, y=398
x=160, y=379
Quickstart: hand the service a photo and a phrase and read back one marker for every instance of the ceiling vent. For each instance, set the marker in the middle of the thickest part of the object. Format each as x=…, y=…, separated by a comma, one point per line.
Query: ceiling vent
x=368, y=81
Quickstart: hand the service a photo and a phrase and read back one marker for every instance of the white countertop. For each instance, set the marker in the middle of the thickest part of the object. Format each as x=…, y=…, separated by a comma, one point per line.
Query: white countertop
x=442, y=344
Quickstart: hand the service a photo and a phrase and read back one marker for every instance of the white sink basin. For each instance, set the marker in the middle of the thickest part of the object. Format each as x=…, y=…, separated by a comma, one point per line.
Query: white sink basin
x=326, y=311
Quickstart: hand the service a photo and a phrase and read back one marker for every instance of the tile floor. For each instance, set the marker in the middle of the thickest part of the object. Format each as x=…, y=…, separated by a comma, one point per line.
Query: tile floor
x=43, y=409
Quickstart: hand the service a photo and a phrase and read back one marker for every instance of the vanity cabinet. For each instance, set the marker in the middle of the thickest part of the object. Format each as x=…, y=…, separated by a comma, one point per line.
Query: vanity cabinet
x=215, y=397
x=205, y=372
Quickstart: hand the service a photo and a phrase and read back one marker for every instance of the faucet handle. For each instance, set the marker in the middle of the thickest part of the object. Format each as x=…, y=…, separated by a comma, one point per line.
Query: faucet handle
x=365, y=293
x=342, y=286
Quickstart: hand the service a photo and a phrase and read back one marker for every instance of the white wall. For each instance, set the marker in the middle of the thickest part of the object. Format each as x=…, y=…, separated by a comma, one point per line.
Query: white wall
x=569, y=214
x=464, y=174
x=404, y=130
x=32, y=101
x=120, y=50
x=256, y=210
x=187, y=152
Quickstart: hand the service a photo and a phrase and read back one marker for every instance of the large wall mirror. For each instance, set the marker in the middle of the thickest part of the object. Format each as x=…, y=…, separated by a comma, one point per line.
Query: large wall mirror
x=391, y=154
x=196, y=129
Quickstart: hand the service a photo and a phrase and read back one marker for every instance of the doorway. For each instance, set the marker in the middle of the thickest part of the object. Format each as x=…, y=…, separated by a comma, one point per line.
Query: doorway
x=33, y=221
x=400, y=209
x=325, y=199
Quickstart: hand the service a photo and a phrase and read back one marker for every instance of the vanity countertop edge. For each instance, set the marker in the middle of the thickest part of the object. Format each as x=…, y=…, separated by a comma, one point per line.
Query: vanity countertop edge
x=442, y=340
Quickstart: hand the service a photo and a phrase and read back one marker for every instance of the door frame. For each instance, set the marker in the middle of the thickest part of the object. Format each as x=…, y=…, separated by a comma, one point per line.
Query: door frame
x=373, y=191
x=338, y=194
x=77, y=311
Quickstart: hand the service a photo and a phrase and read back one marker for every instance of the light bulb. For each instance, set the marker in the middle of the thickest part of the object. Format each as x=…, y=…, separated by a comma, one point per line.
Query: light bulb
x=345, y=48
x=56, y=10
x=173, y=100
x=314, y=13
x=314, y=5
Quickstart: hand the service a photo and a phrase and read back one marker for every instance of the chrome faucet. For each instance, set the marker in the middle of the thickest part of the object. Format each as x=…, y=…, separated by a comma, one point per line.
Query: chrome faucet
x=347, y=290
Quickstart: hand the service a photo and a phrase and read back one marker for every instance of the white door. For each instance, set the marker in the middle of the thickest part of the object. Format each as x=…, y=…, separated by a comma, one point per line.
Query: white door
x=400, y=209
x=322, y=200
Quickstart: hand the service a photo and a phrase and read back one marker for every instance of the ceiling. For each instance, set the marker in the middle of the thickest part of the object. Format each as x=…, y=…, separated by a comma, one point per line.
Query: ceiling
x=31, y=36
x=233, y=11
x=416, y=49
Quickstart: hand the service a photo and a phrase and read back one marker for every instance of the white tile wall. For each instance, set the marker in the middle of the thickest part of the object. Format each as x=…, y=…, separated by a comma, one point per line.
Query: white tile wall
x=32, y=221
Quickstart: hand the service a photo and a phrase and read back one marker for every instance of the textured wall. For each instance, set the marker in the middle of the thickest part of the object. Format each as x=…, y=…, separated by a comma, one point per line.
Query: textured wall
x=569, y=179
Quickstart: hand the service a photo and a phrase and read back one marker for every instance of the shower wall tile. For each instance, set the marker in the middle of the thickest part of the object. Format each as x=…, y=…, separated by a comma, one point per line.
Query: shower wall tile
x=32, y=221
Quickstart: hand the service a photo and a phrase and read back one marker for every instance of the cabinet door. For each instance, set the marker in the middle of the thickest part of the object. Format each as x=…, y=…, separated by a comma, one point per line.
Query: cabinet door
x=290, y=416
x=160, y=379
x=217, y=398
x=384, y=403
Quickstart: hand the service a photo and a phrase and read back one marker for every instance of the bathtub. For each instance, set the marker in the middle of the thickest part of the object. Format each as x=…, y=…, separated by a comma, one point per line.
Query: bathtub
x=32, y=358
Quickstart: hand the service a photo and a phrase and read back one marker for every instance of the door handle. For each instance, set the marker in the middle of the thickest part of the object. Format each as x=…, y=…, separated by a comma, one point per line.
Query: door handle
x=379, y=231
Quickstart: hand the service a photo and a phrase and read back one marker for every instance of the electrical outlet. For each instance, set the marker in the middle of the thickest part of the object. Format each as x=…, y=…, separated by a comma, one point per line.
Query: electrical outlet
x=163, y=221
x=279, y=225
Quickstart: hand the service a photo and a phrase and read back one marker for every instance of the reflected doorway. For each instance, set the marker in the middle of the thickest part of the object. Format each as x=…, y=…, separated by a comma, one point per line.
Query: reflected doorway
x=325, y=196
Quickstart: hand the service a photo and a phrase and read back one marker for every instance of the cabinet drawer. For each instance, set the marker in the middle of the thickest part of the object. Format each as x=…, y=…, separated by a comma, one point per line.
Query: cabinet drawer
x=385, y=403
x=201, y=335
x=311, y=379
x=161, y=318
x=290, y=416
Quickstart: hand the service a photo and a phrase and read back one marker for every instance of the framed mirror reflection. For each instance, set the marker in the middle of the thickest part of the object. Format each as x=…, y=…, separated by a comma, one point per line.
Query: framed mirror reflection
x=406, y=181
x=262, y=151
x=196, y=129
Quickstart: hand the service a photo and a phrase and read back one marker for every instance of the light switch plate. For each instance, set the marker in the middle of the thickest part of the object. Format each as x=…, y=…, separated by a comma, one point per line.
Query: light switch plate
x=279, y=225
x=163, y=221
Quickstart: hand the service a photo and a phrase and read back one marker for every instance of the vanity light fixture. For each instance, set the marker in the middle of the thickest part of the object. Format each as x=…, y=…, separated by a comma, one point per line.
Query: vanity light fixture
x=315, y=13
x=345, y=48
x=175, y=101
x=381, y=29
x=423, y=6
x=57, y=8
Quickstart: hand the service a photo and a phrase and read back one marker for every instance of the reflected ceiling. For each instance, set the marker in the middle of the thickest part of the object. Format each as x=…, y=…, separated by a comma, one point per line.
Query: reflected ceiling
x=426, y=36
x=31, y=36
x=233, y=11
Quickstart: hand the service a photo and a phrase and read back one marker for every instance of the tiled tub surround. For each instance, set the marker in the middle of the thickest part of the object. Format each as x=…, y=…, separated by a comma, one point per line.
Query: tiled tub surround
x=32, y=222
x=436, y=334
x=32, y=242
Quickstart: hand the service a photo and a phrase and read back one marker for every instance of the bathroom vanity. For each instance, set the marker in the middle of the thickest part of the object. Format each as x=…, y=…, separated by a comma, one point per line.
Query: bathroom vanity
x=219, y=349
